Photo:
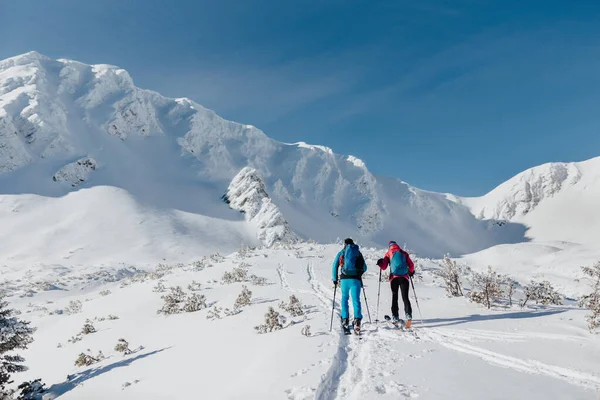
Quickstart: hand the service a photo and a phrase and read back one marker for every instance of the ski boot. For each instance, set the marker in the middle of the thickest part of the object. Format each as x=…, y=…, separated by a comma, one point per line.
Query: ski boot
x=356, y=324
x=346, y=326
x=408, y=321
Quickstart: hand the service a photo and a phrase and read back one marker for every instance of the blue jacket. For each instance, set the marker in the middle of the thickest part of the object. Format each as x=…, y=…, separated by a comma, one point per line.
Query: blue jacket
x=336, y=265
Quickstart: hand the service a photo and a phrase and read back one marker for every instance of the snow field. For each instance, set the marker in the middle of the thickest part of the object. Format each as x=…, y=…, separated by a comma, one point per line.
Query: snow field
x=461, y=351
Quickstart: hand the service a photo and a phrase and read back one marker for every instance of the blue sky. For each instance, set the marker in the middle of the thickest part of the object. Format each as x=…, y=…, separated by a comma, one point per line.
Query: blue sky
x=454, y=96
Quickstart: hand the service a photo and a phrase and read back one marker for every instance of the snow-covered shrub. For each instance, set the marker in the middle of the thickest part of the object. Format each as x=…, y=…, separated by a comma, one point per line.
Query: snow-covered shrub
x=199, y=265
x=485, y=287
x=542, y=292
x=159, y=288
x=194, y=302
x=88, y=328
x=216, y=258
x=294, y=307
x=122, y=346
x=592, y=301
x=176, y=301
x=75, y=339
x=173, y=301
x=214, y=313
x=245, y=251
x=258, y=280
x=451, y=274
x=31, y=390
x=243, y=298
x=194, y=286
x=84, y=360
x=306, y=330
x=272, y=322
x=238, y=274
x=105, y=292
x=112, y=317
x=14, y=334
x=509, y=285
x=74, y=307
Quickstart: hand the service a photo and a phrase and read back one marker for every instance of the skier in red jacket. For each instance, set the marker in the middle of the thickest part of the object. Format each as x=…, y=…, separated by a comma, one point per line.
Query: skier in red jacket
x=401, y=268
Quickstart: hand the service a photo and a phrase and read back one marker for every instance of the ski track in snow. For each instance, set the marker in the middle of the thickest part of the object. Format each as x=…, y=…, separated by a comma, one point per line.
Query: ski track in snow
x=447, y=338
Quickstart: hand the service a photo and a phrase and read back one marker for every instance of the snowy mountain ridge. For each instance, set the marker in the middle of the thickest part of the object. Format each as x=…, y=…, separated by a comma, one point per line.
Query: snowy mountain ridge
x=174, y=155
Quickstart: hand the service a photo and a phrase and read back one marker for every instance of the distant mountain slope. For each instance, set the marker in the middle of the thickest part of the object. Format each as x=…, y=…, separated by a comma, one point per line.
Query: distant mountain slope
x=67, y=126
x=558, y=201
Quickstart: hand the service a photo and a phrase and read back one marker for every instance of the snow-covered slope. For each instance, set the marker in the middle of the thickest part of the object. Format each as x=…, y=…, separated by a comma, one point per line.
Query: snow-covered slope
x=460, y=351
x=67, y=126
x=558, y=201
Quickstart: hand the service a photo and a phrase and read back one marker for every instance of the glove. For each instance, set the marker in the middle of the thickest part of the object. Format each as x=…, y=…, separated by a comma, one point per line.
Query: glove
x=334, y=283
x=411, y=273
x=379, y=262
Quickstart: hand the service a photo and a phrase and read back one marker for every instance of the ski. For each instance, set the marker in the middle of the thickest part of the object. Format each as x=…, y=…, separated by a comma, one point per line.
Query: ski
x=400, y=324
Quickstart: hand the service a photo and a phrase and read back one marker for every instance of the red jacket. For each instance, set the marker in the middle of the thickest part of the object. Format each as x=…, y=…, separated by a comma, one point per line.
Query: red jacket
x=388, y=256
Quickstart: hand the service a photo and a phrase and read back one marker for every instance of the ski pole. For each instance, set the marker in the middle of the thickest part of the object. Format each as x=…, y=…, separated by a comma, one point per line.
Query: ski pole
x=333, y=307
x=365, y=294
x=378, y=292
x=416, y=299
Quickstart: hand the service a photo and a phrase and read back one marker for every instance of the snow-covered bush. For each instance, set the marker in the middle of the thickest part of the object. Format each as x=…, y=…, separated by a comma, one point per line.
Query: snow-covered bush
x=294, y=307
x=84, y=359
x=306, y=330
x=485, y=287
x=258, y=280
x=509, y=286
x=199, y=265
x=122, y=346
x=173, y=301
x=216, y=258
x=88, y=328
x=542, y=292
x=451, y=273
x=176, y=301
x=592, y=301
x=194, y=286
x=105, y=292
x=159, y=288
x=238, y=274
x=273, y=322
x=31, y=390
x=74, y=307
x=214, y=313
x=243, y=299
x=14, y=334
x=194, y=302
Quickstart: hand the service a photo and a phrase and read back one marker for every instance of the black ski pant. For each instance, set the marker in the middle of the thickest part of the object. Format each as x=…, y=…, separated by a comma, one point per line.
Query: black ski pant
x=403, y=284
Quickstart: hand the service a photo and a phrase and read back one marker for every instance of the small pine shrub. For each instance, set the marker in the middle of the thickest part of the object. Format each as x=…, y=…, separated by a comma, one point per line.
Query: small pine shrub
x=194, y=286
x=592, y=301
x=214, y=313
x=272, y=322
x=74, y=307
x=122, y=346
x=306, y=330
x=88, y=328
x=486, y=287
x=294, y=307
x=238, y=274
x=243, y=299
x=84, y=360
x=105, y=293
x=159, y=288
x=451, y=274
x=194, y=302
x=173, y=301
x=31, y=390
x=542, y=293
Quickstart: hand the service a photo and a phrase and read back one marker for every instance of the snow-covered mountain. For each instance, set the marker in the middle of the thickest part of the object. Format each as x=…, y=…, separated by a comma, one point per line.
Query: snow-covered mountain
x=68, y=127
x=558, y=201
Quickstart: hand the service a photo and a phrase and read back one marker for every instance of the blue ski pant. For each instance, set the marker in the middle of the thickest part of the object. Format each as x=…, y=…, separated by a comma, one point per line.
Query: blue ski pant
x=351, y=288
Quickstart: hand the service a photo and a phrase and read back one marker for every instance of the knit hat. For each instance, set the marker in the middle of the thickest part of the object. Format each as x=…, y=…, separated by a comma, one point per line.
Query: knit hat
x=348, y=241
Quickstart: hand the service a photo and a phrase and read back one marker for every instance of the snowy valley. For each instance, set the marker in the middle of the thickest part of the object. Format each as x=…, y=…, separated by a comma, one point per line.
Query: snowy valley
x=112, y=196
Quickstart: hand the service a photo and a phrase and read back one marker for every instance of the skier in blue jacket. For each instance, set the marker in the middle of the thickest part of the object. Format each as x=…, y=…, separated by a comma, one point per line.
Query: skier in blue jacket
x=351, y=265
